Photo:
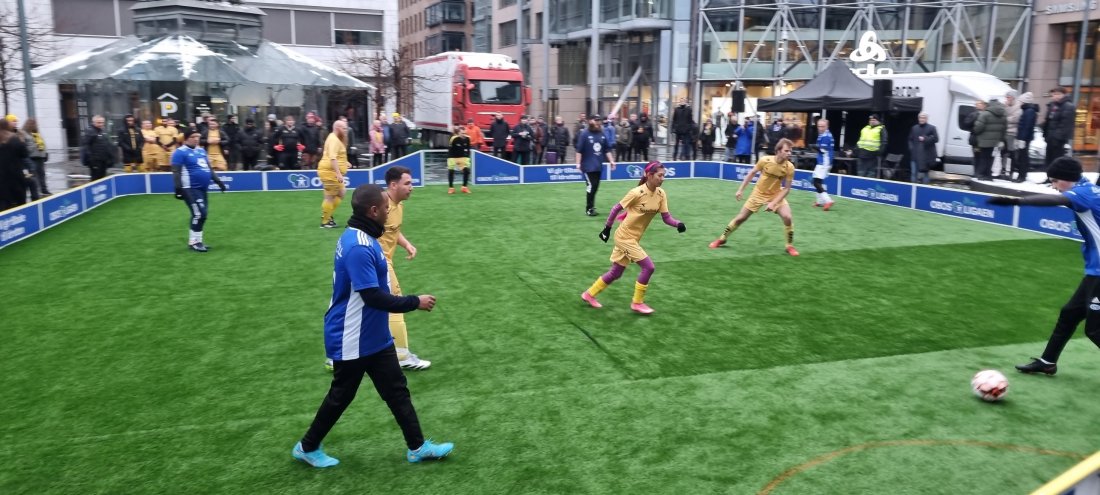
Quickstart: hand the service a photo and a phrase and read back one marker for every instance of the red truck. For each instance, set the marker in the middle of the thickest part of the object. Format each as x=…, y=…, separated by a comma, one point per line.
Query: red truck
x=454, y=87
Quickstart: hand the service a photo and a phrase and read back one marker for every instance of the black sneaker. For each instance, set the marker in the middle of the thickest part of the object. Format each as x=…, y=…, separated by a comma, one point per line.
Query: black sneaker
x=591, y=212
x=1037, y=366
x=329, y=225
x=198, y=247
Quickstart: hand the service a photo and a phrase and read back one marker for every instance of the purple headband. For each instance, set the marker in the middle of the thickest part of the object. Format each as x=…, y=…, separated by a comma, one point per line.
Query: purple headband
x=652, y=167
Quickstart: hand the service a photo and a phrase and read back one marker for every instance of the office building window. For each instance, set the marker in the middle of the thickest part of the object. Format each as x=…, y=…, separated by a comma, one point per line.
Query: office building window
x=507, y=3
x=507, y=34
x=358, y=38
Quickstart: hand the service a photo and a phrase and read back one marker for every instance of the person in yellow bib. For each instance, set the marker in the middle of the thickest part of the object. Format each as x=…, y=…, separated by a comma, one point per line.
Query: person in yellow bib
x=458, y=156
x=168, y=139
x=776, y=177
x=331, y=170
x=641, y=204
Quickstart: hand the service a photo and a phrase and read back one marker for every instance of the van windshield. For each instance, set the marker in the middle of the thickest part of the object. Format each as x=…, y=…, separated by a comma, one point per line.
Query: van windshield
x=499, y=92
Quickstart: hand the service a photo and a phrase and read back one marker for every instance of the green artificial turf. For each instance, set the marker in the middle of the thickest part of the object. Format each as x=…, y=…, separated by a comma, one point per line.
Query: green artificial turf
x=131, y=365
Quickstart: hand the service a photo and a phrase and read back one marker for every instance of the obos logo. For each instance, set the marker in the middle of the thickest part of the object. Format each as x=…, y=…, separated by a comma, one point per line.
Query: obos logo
x=965, y=207
x=877, y=193
x=66, y=209
x=1057, y=226
x=302, y=181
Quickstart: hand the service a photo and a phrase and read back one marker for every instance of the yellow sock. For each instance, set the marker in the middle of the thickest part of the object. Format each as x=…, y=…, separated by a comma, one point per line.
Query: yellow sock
x=729, y=230
x=639, y=292
x=326, y=211
x=789, y=229
x=597, y=287
x=336, y=202
x=398, y=331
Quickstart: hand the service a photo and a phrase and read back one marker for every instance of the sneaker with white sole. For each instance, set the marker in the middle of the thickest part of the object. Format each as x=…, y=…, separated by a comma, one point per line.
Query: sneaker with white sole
x=429, y=450
x=328, y=364
x=318, y=458
x=413, y=362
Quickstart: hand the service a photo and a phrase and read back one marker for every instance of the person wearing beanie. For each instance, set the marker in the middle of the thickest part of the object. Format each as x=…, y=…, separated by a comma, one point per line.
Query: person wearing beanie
x=1058, y=126
x=1013, y=110
x=1083, y=197
x=1025, y=132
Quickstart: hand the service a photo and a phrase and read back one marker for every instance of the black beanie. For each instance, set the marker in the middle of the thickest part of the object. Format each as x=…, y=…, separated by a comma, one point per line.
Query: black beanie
x=1065, y=168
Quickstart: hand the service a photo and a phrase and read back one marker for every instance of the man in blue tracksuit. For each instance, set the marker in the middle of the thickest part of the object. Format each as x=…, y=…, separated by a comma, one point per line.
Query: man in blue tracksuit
x=592, y=150
x=192, y=176
x=1083, y=197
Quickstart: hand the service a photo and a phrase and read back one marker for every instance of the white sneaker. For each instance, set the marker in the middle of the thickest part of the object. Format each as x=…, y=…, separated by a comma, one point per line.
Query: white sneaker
x=413, y=362
x=328, y=364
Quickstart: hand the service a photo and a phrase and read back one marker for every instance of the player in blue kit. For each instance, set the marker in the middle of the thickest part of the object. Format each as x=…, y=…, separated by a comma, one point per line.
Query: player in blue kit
x=357, y=334
x=825, y=151
x=192, y=175
x=1083, y=197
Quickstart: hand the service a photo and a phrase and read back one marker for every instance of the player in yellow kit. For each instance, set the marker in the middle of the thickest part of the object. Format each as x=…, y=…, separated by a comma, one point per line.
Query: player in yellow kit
x=150, y=151
x=399, y=186
x=776, y=176
x=641, y=204
x=168, y=139
x=331, y=170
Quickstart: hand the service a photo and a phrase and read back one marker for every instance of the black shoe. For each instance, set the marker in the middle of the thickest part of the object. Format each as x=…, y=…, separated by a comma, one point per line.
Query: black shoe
x=1037, y=366
x=591, y=212
x=331, y=224
x=198, y=247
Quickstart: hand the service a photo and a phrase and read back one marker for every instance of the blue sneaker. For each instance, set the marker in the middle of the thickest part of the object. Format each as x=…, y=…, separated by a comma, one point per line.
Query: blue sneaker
x=429, y=451
x=318, y=458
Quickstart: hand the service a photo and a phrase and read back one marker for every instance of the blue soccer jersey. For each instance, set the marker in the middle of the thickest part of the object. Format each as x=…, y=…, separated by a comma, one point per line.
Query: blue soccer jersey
x=1085, y=202
x=194, y=167
x=353, y=330
x=592, y=147
x=825, y=148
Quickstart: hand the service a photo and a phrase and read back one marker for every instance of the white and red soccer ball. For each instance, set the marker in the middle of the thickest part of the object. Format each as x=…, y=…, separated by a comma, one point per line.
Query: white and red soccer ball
x=989, y=385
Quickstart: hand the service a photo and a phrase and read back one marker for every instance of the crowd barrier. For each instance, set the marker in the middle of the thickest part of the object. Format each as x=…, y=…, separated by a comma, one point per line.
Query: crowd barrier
x=19, y=223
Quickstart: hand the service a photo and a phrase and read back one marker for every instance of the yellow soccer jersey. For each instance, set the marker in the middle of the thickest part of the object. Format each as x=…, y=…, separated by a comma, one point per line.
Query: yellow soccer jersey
x=771, y=177
x=641, y=205
x=393, y=229
x=167, y=136
x=334, y=148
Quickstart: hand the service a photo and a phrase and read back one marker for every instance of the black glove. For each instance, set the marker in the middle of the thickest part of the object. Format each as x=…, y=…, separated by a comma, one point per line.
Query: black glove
x=1003, y=200
x=180, y=194
x=221, y=185
x=605, y=234
x=680, y=227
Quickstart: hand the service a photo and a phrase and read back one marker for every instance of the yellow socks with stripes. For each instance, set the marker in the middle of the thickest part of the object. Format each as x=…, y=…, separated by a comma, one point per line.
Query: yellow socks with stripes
x=597, y=287
x=789, y=230
x=729, y=230
x=639, y=292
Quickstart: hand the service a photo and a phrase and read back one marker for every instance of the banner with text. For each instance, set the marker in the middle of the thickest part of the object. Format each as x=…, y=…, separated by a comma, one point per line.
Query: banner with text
x=635, y=170
x=490, y=170
x=536, y=174
x=962, y=204
x=879, y=191
x=804, y=180
x=413, y=162
x=18, y=223
x=1055, y=221
x=98, y=192
x=61, y=207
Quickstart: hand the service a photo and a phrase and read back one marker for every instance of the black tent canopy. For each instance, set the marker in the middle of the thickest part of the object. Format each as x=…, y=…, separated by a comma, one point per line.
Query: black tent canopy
x=835, y=88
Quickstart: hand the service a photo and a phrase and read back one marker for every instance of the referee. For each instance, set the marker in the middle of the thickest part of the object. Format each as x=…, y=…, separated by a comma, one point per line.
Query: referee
x=357, y=334
x=192, y=176
x=1083, y=197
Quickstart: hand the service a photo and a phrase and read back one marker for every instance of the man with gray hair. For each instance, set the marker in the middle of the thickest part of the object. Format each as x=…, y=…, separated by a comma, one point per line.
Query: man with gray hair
x=922, y=149
x=1008, y=156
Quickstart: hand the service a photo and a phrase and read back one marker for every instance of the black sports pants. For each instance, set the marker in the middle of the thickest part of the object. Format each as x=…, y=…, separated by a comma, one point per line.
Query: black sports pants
x=1083, y=305
x=592, y=186
x=385, y=372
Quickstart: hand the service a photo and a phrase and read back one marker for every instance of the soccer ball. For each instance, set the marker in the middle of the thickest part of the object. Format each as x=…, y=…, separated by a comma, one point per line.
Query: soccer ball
x=989, y=385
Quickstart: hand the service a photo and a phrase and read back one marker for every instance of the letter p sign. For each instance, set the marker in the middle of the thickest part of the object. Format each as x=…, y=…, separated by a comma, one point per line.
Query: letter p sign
x=167, y=107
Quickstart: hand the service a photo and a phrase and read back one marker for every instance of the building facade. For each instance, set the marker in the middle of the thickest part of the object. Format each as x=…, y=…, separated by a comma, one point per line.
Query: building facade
x=1056, y=61
x=333, y=32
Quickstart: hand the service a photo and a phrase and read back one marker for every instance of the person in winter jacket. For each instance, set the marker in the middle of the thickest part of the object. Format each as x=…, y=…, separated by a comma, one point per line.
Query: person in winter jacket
x=1025, y=132
x=622, y=141
x=288, y=141
x=13, y=156
x=922, y=149
x=130, y=141
x=681, y=126
x=776, y=131
x=523, y=137
x=558, y=138
x=643, y=137
x=100, y=152
x=610, y=133
x=1008, y=151
x=399, y=137
x=1058, y=127
x=249, y=141
x=499, y=132
x=989, y=130
x=707, y=136
x=731, y=138
x=377, y=144
x=744, y=135
x=871, y=146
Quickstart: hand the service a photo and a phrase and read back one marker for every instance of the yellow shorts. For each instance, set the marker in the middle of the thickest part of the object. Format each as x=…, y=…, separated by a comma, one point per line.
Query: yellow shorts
x=627, y=252
x=459, y=163
x=150, y=162
x=757, y=204
x=331, y=186
x=217, y=162
x=395, y=289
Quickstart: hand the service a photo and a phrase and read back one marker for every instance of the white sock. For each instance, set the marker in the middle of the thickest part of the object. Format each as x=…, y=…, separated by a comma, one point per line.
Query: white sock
x=818, y=196
x=402, y=353
x=198, y=236
x=1045, y=361
x=825, y=197
x=192, y=237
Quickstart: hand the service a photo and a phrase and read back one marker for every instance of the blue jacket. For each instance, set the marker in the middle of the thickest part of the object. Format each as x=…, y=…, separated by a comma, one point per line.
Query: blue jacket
x=609, y=133
x=1025, y=128
x=744, y=139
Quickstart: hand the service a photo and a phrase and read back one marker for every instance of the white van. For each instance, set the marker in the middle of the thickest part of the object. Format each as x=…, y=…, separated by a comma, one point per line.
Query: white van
x=948, y=97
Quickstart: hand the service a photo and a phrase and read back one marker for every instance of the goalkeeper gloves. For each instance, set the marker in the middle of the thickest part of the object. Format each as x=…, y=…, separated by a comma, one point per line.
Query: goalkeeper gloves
x=605, y=234
x=1003, y=200
x=279, y=147
x=680, y=227
x=301, y=147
